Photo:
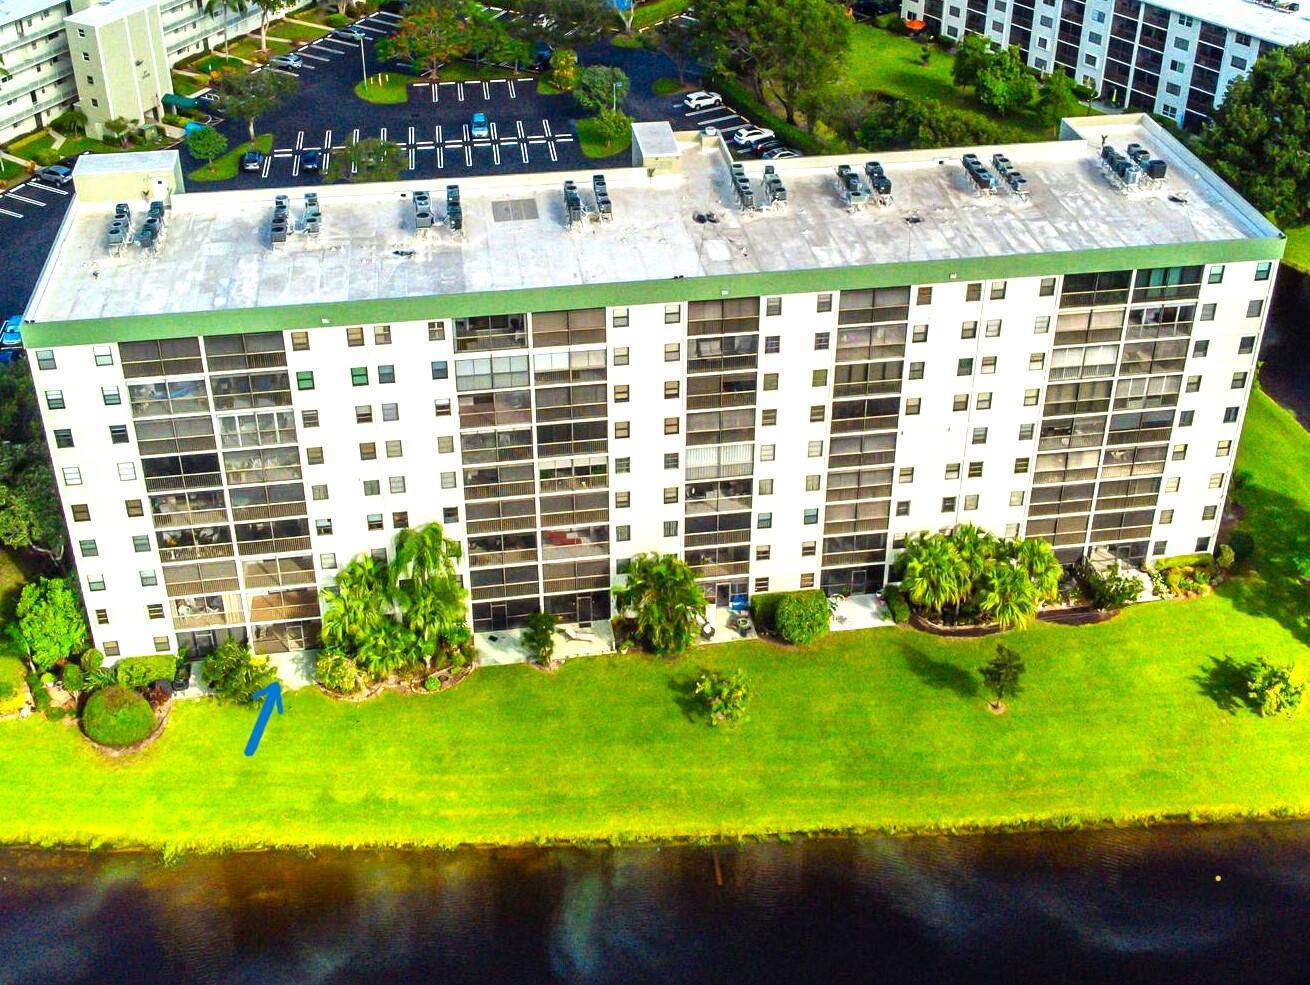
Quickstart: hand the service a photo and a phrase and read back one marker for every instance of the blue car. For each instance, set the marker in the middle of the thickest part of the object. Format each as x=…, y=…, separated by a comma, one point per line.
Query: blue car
x=479, y=128
x=11, y=339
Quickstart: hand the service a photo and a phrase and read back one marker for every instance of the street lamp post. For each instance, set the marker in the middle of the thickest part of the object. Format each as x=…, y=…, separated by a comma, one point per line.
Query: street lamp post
x=614, y=97
x=363, y=66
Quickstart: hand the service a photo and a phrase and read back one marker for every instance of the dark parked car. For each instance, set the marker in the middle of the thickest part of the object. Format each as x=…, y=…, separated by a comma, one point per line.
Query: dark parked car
x=252, y=160
x=56, y=174
x=766, y=145
x=311, y=159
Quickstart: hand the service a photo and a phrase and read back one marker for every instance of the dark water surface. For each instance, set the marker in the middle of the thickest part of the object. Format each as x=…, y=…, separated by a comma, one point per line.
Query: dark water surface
x=1112, y=907
x=1285, y=351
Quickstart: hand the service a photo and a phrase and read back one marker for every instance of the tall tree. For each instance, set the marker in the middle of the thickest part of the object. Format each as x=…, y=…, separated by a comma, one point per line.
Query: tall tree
x=602, y=87
x=370, y=159
x=729, y=30
x=225, y=9
x=681, y=43
x=971, y=57
x=424, y=584
x=661, y=591
x=1037, y=558
x=802, y=46
x=560, y=22
x=935, y=574
x=1001, y=675
x=431, y=34
x=1005, y=82
x=1258, y=138
x=356, y=606
x=206, y=143
x=51, y=624
x=1056, y=99
x=267, y=8
x=248, y=97
x=1007, y=595
x=30, y=518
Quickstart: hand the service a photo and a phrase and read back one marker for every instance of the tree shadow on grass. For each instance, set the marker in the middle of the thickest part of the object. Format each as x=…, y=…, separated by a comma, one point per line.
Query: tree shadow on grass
x=685, y=697
x=1268, y=585
x=941, y=675
x=1224, y=681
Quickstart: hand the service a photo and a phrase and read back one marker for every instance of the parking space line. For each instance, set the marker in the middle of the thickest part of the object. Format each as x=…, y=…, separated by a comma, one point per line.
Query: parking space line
x=268, y=163
x=435, y=90
x=512, y=93
x=305, y=53
x=411, y=157
x=563, y=137
x=16, y=215
x=700, y=112
x=495, y=146
x=338, y=45
x=383, y=135
x=410, y=141
x=459, y=90
x=45, y=188
x=295, y=166
x=354, y=135
x=370, y=27
x=486, y=90
x=327, y=141
x=735, y=126
x=441, y=152
x=523, y=144
x=24, y=198
x=717, y=119
x=550, y=146
x=300, y=139
x=545, y=128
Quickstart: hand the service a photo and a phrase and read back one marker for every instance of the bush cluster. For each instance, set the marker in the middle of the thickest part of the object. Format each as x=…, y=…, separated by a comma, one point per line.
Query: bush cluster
x=117, y=716
x=896, y=603
x=137, y=672
x=338, y=673
x=802, y=617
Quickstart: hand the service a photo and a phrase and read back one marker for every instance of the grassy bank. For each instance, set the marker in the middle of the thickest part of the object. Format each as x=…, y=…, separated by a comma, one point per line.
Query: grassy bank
x=1130, y=720
x=1298, y=248
x=594, y=144
x=386, y=88
x=226, y=166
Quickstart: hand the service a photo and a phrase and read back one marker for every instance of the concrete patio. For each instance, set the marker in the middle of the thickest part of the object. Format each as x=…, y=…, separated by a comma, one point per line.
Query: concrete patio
x=505, y=646
x=860, y=612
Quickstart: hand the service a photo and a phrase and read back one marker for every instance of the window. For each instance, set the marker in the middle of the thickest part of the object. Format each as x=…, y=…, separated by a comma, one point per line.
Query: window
x=815, y=449
x=162, y=644
x=672, y=389
x=811, y=515
x=923, y=296
x=672, y=314
x=622, y=429
x=973, y=292
x=670, y=528
x=670, y=494
x=140, y=543
x=1016, y=498
x=368, y=451
x=671, y=425
x=767, y=452
x=359, y=376
x=905, y=475
x=355, y=336
x=948, y=504
x=134, y=507
x=1263, y=270
x=323, y=528
x=314, y=456
x=1223, y=449
x=1246, y=345
x=372, y=487
x=812, y=483
x=1208, y=513
x=1202, y=544
x=765, y=487
x=969, y=330
x=817, y=413
x=1179, y=453
x=621, y=355
x=386, y=374
x=391, y=412
x=1230, y=415
x=72, y=475
x=998, y=290
x=1239, y=381
x=363, y=414
x=964, y=367
x=309, y=418
x=148, y=578
x=1217, y=480
x=621, y=393
x=445, y=444
x=916, y=371
x=102, y=617
x=919, y=333
x=441, y=408
x=436, y=331
x=111, y=396
x=622, y=466
x=96, y=583
x=772, y=344
x=769, y=417
x=1207, y=312
x=63, y=438
x=762, y=552
x=975, y=470
x=1041, y=324
x=912, y=405
x=1166, y=517
x=952, y=470
x=770, y=381
x=822, y=340
x=440, y=369
x=319, y=492
x=396, y=484
x=450, y=514
x=672, y=352
x=971, y=501
x=45, y=358
x=1171, y=484
x=1200, y=348
x=1254, y=308
x=305, y=379
x=979, y=436
x=902, y=507
x=1185, y=418
x=988, y=365
x=1021, y=466
x=772, y=306
x=81, y=512
x=622, y=500
x=1037, y=361
x=379, y=554
x=1193, y=384
x=824, y=303
x=819, y=377
x=993, y=329
x=623, y=532
x=671, y=460
x=88, y=548
x=328, y=561
x=1047, y=287
x=381, y=334
x=126, y=471
x=764, y=521
x=54, y=399
x=448, y=480
x=373, y=521
x=1216, y=274
x=299, y=341
x=395, y=448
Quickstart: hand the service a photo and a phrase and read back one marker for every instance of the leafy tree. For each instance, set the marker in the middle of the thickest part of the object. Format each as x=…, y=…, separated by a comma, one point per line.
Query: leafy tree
x=669, y=606
x=935, y=574
x=1001, y=675
x=30, y=517
x=431, y=34
x=1057, y=99
x=911, y=124
x=393, y=648
x=71, y=678
x=802, y=617
x=20, y=417
x=1257, y=138
x=424, y=584
x=356, y=606
x=560, y=22
x=845, y=108
x=976, y=548
x=731, y=33
x=563, y=69
x=248, y=97
x=801, y=45
x=206, y=144
x=267, y=8
x=971, y=57
x=1005, y=83
x=119, y=128
x=51, y=624
x=224, y=9
x=1274, y=689
x=490, y=40
x=69, y=121
x=1302, y=565
x=337, y=672
x=371, y=159
x=234, y=674
x=1007, y=595
x=726, y=697
x=601, y=87
x=539, y=636
x=613, y=126
x=681, y=43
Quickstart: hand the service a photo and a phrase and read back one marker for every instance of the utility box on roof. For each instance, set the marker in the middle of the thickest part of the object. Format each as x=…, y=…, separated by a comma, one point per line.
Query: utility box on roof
x=145, y=176
x=655, y=148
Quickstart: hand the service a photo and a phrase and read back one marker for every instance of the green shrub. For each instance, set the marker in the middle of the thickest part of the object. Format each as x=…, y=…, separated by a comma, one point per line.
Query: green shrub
x=432, y=683
x=1243, y=545
x=725, y=697
x=337, y=672
x=338, y=20
x=896, y=603
x=802, y=617
x=137, y=672
x=764, y=608
x=117, y=716
x=1274, y=688
x=1224, y=557
x=539, y=636
x=72, y=678
x=1201, y=560
x=233, y=673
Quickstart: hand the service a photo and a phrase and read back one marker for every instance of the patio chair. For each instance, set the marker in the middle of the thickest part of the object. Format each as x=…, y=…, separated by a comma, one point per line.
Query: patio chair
x=576, y=634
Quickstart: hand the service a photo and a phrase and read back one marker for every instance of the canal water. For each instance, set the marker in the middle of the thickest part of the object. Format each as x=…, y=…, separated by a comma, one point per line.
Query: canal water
x=1180, y=904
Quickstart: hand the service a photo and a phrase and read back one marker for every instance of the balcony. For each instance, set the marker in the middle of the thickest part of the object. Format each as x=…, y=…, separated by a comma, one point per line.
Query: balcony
x=278, y=545
x=268, y=512
x=491, y=558
x=195, y=552
x=300, y=603
x=200, y=480
x=190, y=518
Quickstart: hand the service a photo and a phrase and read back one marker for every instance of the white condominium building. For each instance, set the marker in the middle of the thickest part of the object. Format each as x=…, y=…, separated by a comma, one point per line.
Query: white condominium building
x=1174, y=58
x=778, y=372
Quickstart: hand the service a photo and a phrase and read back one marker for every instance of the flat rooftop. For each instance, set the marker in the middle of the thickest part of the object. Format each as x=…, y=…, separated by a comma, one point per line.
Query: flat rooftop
x=1282, y=27
x=216, y=255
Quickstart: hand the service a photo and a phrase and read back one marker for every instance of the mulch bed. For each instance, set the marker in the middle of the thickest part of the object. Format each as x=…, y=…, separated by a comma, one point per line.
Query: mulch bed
x=958, y=632
x=547, y=668
x=1084, y=615
x=363, y=695
x=448, y=680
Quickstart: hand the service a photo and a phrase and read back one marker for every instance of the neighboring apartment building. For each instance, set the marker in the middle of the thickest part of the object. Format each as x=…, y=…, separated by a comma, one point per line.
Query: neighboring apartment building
x=42, y=63
x=1174, y=58
x=781, y=396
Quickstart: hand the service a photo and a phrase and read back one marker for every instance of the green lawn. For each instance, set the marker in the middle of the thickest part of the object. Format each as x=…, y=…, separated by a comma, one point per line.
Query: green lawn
x=468, y=72
x=593, y=144
x=206, y=62
x=227, y=165
x=1298, y=248
x=655, y=11
x=885, y=62
x=666, y=87
x=1123, y=721
x=40, y=148
x=297, y=32
x=248, y=46
x=13, y=684
x=185, y=85
x=385, y=88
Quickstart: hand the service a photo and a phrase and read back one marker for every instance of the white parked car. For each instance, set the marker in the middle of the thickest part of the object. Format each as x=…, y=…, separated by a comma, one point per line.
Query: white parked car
x=749, y=136
x=702, y=100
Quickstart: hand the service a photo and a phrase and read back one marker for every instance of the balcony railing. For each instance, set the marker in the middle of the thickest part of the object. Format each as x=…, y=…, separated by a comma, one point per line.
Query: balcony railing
x=200, y=480
x=278, y=545
x=190, y=518
x=196, y=552
x=268, y=512
x=501, y=557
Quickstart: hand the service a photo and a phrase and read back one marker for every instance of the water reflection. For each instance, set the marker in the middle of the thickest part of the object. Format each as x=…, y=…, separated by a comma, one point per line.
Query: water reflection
x=1102, y=907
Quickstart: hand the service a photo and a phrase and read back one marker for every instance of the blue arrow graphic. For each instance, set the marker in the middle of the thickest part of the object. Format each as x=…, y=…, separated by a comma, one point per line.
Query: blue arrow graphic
x=272, y=695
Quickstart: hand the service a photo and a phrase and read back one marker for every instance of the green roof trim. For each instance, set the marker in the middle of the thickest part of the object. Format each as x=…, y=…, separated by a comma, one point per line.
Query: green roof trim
x=131, y=328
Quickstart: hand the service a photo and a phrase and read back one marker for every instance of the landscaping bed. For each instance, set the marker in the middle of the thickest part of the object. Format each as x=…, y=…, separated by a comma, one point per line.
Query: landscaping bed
x=385, y=88
x=593, y=144
x=227, y=165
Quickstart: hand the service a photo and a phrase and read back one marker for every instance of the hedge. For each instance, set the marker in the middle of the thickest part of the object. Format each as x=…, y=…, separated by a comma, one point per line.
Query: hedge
x=764, y=607
x=897, y=605
x=1204, y=559
x=802, y=617
x=139, y=672
x=117, y=716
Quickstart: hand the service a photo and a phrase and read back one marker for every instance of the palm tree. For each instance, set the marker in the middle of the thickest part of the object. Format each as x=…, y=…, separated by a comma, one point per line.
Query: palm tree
x=424, y=584
x=661, y=589
x=976, y=547
x=391, y=649
x=357, y=609
x=935, y=574
x=1037, y=558
x=1007, y=595
x=213, y=8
